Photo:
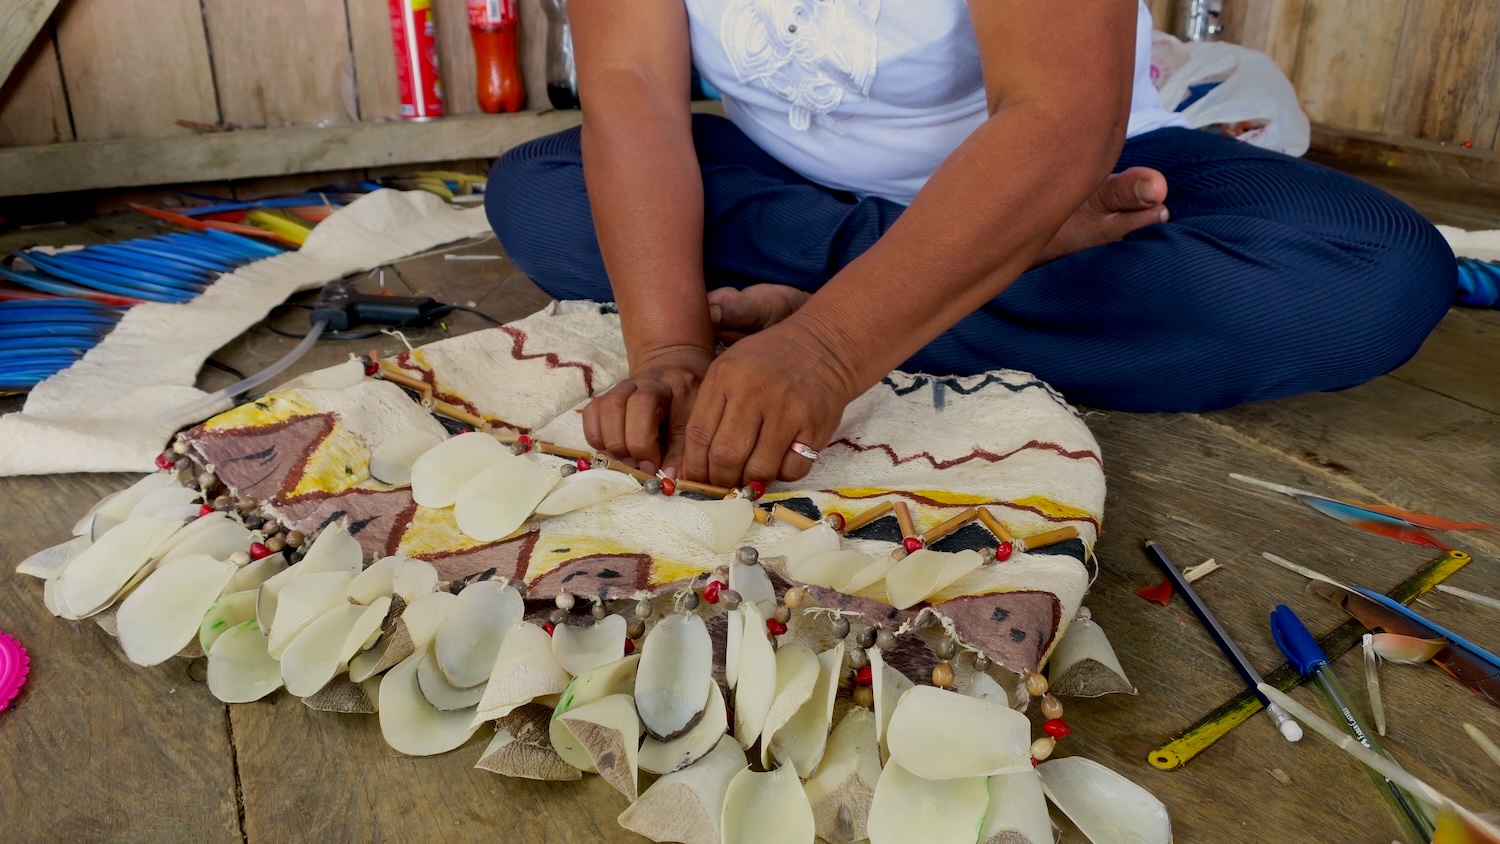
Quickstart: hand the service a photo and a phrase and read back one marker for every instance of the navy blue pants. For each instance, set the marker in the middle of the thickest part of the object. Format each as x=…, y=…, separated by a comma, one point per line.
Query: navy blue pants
x=1274, y=276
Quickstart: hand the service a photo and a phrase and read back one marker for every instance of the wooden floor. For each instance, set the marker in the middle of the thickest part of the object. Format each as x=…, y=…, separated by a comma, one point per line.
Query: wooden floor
x=98, y=749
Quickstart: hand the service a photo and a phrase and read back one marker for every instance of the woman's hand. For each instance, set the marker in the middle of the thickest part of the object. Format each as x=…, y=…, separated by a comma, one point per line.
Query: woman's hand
x=765, y=392
x=627, y=421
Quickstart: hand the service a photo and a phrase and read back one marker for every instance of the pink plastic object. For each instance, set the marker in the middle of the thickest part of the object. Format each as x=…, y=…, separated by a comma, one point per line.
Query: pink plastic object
x=14, y=666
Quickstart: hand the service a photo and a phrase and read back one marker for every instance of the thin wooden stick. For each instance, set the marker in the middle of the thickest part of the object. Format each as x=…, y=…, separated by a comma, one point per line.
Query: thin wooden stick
x=564, y=451
x=1051, y=537
x=1470, y=596
x=1484, y=743
x=950, y=526
x=762, y=515
x=870, y=515
x=611, y=463
x=792, y=517
x=702, y=489
x=903, y=518
x=988, y=520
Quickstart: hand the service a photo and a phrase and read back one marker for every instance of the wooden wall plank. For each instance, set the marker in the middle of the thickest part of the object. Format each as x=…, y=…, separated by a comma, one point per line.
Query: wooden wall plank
x=33, y=108
x=1163, y=16
x=1271, y=26
x=1347, y=59
x=281, y=62
x=251, y=153
x=374, y=59
x=1447, y=81
x=456, y=57
x=20, y=22
x=135, y=67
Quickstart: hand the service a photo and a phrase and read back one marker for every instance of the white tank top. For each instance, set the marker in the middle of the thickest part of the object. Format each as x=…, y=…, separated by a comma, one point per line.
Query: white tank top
x=867, y=96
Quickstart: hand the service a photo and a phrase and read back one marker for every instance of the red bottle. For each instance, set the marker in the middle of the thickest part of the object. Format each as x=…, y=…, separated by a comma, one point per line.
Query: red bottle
x=494, y=24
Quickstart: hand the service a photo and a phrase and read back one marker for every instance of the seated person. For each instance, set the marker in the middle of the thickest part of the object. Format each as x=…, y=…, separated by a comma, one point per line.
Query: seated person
x=941, y=187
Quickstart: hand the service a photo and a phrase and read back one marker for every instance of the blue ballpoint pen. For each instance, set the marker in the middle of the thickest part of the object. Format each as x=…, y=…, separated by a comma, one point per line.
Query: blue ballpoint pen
x=1302, y=650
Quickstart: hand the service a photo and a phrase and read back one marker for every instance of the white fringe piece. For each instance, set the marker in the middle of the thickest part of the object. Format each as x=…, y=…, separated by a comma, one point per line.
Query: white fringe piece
x=108, y=412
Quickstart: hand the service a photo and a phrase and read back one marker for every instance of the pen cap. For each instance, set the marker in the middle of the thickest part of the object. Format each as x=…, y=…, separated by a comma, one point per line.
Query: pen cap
x=1294, y=640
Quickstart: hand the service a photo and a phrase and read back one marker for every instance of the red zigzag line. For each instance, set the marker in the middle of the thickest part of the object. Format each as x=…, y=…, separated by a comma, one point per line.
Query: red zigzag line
x=976, y=454
x=518, y=351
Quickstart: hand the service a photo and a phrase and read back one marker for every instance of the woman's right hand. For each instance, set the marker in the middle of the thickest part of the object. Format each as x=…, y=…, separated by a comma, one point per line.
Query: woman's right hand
x=644, y=417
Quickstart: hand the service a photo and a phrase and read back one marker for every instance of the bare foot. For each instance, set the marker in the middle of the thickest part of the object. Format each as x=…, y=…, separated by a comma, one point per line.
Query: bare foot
x=1124, y=202
x=739, y=313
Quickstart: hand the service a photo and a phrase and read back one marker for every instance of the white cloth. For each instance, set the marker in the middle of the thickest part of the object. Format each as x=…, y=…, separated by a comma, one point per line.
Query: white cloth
x=110, y=411
x=868, y=96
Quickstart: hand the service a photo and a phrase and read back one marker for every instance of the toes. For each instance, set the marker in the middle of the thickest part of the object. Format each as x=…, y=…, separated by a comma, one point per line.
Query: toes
x=1132, y=190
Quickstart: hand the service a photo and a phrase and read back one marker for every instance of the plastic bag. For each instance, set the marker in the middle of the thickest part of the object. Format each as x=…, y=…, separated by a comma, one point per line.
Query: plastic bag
x=1249, y=98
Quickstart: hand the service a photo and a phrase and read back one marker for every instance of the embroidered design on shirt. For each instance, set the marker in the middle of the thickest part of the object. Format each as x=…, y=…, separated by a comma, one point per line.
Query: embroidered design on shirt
x=808, y=52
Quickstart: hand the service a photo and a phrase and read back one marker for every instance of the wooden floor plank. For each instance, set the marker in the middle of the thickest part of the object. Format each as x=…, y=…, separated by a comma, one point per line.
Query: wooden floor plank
x=1461, y=360
x=96, y=748
x=1167, y=481
x=317, y=776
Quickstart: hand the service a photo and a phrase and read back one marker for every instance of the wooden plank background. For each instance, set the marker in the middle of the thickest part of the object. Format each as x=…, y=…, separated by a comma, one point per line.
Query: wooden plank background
x=1406, y=70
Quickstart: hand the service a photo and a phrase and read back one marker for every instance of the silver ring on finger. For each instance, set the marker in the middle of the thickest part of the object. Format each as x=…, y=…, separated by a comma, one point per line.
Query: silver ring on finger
x=804, y=451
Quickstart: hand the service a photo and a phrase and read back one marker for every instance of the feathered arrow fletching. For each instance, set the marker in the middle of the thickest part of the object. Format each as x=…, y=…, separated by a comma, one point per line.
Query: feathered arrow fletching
x=1379, y=519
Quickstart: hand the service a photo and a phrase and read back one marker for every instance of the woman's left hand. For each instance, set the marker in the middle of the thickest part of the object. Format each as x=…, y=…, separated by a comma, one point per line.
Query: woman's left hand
x=765, y=392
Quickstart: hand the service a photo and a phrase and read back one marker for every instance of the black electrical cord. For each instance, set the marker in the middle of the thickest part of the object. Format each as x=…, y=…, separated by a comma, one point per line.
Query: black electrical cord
x=365, y=335
x=224, y=367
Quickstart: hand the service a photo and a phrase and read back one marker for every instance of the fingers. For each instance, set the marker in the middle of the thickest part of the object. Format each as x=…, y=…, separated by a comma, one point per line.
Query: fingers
x=702, y=426
x=604, y=417
x=676, y=434
x=642, y=425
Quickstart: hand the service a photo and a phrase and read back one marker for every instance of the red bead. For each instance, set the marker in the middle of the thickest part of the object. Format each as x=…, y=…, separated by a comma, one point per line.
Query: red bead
x=259, y=550
x=712, y=590
x=776, y=627
x=583, y=464
x=864, y=676
x=760, y=488
x=525, y=441
x=1004, y=550
x=1057, y=728
x=205, y=509
x=371, y=367
x=667, y=486
x=629, y=646
x=912, y=544
x=164, y=461
x=549, y=627
x=836, y=521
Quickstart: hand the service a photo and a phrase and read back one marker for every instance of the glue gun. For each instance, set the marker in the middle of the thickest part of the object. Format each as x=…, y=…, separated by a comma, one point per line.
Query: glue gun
x=341, y=308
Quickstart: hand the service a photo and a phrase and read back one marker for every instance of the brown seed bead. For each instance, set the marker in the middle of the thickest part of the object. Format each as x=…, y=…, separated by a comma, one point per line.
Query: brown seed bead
x=794, y=597
x=864, y=696
x=207, y=480
x=246, y=505
x=254, y=522
x=564, y=601
x=600, y=611
x=946, y=648
x=180, y=447
x=858, y=658
x=1042, y=748
x=182, y=464
x=275, y=544
x=295, y=538
x=730, y=599
x=642, y=609
x=223, y=503
x=1036, y=684
x=1051, y=707
x=782, y=614
x=840, y=627
x=635, y=628
x=558, y=616
x=885, y=640
x=271, y=528
x=981, y=662
x=865, y=638
x=690, y=601
x=942, y=675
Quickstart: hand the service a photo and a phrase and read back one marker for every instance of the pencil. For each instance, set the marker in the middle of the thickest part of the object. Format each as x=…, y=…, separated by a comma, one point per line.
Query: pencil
x=1288, y=727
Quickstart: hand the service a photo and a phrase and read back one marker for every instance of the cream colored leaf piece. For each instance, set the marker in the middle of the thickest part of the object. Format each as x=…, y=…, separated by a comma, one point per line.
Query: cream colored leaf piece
x=392, y=461
x=522, y=748
x=609, y=730
x=766, y=806
x=671, y=686
x=1105, y=806
x=688, y=805
x=440, y=473
x=498, y=500
x=842, y=786
x=908, y=808
x=1084, y=664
